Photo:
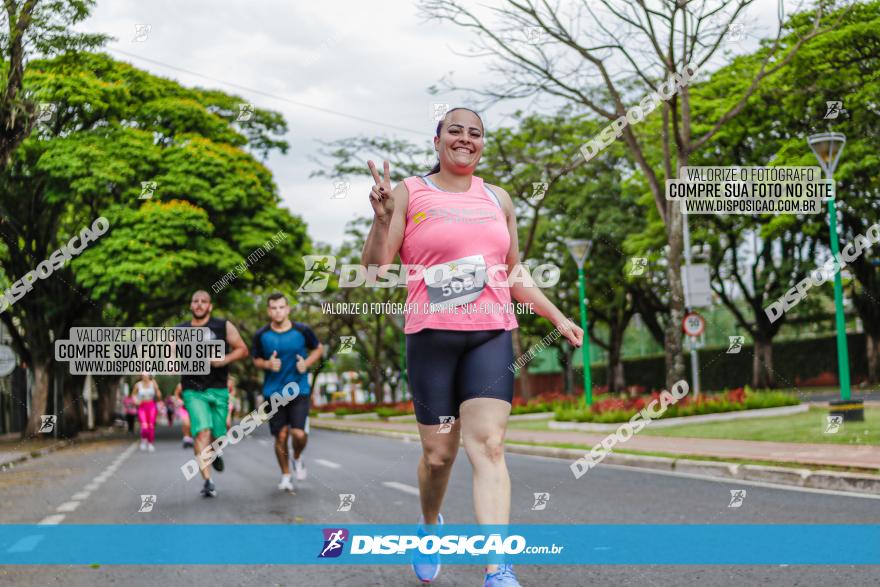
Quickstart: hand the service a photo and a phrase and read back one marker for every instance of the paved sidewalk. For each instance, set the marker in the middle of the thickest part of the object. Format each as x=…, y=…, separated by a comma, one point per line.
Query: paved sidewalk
x=14, y=449
x=11, y=457
x=841, y=455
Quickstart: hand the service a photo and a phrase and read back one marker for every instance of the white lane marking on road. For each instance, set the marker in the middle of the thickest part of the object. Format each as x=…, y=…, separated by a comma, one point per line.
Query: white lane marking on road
x=75, y=502
x=328, y=464
x=26, y=544
x=264, y=442
x=401, y=487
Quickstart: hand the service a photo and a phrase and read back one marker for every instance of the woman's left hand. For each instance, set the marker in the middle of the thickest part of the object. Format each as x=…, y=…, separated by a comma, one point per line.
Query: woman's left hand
x=572, y=332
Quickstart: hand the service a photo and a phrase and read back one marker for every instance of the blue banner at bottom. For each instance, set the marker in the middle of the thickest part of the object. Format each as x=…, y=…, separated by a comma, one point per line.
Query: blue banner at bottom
x=393, y=544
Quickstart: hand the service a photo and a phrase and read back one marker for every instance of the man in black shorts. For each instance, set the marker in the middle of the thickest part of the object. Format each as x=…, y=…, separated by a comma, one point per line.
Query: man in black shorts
x=206, y=397
x=285, y=350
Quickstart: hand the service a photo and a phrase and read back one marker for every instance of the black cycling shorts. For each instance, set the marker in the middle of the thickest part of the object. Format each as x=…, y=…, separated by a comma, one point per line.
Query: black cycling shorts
x=294, y=415
x=448, y=367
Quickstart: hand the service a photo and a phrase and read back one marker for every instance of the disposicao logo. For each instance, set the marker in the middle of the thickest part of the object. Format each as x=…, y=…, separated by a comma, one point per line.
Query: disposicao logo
x=334, y=541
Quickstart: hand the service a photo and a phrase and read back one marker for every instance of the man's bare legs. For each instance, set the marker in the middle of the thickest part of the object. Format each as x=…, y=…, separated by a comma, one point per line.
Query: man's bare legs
x=200, y=442
x=300, y=439
x=281, y=451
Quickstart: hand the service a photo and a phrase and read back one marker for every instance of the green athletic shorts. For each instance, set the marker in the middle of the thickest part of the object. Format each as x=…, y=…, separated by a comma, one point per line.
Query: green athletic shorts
x=207, y=409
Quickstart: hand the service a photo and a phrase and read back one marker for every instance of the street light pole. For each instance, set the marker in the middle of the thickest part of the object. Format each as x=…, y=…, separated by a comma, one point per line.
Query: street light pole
x=827, y=147
x=580, y=250
x=585, y=348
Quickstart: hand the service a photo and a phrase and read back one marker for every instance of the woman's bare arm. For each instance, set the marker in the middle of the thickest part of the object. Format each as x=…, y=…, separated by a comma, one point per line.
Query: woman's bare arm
x=389, y=220
x=523, y=289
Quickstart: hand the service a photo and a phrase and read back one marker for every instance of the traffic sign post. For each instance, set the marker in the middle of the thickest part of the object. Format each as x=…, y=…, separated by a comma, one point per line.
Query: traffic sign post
x=7, y=360
x=694, y=325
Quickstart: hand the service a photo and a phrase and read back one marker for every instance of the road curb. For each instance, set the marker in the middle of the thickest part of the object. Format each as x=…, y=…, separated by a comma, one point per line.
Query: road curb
x=783, y=475
x=363, y=416
x=679, y=421
x=531, y=416
x=821, y=479
x=34, y=454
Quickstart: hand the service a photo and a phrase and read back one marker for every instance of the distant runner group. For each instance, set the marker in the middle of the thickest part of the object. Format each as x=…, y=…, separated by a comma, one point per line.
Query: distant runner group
x=283, y=349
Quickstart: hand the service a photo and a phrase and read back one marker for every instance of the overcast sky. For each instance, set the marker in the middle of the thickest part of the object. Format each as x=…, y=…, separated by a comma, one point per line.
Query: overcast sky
x=340, y=55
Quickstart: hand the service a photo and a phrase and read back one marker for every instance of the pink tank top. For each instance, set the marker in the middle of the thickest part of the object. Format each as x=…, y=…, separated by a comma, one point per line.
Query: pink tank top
x=458, y=243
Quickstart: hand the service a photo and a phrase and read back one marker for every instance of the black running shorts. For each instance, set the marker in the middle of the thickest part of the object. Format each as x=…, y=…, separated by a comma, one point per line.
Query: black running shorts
x=294, y=415
x=448, y=367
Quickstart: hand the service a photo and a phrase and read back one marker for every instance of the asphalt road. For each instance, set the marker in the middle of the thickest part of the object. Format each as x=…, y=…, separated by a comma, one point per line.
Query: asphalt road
x=102, y=483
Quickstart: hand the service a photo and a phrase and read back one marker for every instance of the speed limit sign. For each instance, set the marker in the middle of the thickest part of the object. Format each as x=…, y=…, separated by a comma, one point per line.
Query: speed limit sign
x=693, y=324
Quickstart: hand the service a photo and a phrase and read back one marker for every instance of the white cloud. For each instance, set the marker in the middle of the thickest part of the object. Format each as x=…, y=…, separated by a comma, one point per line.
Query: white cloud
x=373, y=61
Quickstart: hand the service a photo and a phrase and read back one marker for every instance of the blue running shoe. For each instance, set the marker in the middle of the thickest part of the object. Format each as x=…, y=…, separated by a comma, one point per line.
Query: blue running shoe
x=503, y=577
x=426, y=566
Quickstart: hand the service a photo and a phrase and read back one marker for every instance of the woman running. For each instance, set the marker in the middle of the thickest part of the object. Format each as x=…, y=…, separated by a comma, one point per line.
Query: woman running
x=462, y=231
x=129, y=403
x=147, y=394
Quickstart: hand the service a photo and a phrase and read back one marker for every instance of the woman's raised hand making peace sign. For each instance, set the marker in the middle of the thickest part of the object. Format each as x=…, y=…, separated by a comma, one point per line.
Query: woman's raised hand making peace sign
x=380, y=194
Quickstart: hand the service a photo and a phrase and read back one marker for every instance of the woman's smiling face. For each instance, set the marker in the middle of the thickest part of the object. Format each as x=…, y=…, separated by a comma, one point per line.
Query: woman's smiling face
x=460, y=143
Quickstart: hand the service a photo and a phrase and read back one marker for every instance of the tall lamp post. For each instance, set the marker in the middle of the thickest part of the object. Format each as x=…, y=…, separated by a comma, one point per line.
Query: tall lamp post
x=827, y=148
x=580, y=250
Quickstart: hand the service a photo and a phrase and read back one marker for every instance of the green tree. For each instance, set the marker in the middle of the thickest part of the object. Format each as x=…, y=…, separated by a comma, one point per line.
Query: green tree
x=29, y=28
x=604, y=56
x=169, y=168
x=842, y=66
x=762, y=257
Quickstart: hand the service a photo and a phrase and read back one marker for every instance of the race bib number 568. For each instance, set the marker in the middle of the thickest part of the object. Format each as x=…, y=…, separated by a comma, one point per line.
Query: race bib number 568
x=456, y=282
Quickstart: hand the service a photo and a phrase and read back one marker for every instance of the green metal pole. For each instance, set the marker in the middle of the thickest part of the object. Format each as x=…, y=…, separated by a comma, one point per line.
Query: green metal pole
x=842, y=351
x=585, y=348
x=363, y=371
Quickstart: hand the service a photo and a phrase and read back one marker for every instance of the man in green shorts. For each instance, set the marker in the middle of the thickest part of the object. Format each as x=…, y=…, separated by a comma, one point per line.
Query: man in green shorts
x=206, y=397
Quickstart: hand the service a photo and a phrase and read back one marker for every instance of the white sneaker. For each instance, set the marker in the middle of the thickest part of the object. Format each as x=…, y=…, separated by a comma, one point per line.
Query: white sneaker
x=300, y=469
x=143, y=445
x=285, y=484
x=151, y=448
